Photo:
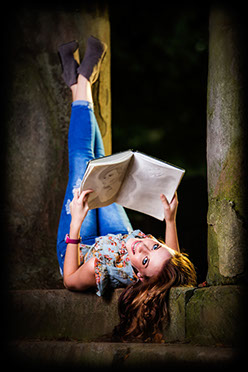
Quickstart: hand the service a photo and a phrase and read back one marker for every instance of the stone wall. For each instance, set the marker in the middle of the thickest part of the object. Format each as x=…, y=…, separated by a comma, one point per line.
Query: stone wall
x=38, y=114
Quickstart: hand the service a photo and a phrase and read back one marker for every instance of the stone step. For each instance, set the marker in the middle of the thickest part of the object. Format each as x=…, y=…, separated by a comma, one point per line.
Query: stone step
x=205, y=316
x=117, y=355
x=60, y=314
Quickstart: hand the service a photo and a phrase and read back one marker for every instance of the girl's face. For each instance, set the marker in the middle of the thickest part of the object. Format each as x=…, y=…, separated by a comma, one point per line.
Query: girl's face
x=110, y=178
x=147, y=256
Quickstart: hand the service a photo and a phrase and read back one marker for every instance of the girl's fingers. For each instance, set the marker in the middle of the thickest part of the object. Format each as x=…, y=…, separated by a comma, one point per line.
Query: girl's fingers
x=85, y=194
x=174, y=200
x=164, y=200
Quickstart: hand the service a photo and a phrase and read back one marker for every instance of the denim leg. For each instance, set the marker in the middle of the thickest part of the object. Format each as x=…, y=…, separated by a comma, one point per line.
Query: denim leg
x=113, y=218
x=84, y=144
x=81, y=139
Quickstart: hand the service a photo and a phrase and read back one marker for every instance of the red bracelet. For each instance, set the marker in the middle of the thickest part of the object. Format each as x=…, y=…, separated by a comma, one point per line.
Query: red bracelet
x=68, y=240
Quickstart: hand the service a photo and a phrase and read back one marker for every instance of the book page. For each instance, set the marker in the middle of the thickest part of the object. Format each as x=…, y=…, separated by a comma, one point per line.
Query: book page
x=104, y=161
x=148, y=178
x=105, y=178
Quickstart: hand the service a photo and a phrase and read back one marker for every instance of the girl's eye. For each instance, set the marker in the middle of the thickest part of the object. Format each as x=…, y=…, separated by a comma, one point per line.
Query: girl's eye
x=144, y=261
x=156, y=246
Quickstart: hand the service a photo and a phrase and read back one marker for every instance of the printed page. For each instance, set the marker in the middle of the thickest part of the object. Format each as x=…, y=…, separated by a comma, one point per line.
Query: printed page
x=105, y=180
x=147, y=179
x=106, y=160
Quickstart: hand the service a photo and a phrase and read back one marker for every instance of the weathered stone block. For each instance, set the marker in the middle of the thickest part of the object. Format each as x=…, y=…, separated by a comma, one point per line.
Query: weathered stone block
x=61, y=314
x=117, y=356
x=215, y=315
x=178, y=300
x=212, y=315
x=56, y=314
x=230, y=238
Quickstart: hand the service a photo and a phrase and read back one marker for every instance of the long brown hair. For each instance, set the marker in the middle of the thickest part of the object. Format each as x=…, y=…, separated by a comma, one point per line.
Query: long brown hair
x=143, y=307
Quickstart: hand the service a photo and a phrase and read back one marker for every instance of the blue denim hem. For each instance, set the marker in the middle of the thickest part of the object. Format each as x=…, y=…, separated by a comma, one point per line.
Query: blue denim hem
x=82, y=103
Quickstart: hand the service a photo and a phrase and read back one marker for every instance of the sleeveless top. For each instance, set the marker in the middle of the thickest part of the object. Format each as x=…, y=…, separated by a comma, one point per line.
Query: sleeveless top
x=113, y=267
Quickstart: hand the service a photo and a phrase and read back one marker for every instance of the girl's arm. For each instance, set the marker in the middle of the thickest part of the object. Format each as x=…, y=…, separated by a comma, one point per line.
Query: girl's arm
x=170, y=211
x=78, y=277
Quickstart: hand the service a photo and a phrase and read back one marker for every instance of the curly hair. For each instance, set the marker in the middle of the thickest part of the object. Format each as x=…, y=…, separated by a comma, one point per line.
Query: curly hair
x=143, y=307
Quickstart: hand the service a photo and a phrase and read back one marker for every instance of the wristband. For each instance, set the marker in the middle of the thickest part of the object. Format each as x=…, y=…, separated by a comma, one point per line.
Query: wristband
x=68, y=240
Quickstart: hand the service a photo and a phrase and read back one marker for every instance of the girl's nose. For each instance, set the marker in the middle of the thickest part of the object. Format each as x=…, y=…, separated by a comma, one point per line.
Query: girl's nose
x=142, y=248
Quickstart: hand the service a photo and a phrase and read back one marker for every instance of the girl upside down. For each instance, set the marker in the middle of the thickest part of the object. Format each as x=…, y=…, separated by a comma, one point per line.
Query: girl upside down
x=98, y=248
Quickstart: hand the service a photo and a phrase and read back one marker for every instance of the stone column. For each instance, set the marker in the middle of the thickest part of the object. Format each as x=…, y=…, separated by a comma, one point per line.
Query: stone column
x=226, y=148
x=38, y=116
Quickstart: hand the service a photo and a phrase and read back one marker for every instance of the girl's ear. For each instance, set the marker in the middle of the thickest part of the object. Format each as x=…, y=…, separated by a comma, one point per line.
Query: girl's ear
x=141, y=278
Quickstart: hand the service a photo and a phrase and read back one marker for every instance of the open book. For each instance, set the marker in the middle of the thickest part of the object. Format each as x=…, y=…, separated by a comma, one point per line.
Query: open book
x=133, y=180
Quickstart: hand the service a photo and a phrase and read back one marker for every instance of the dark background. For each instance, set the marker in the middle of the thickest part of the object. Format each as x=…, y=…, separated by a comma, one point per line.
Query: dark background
x=159, y=58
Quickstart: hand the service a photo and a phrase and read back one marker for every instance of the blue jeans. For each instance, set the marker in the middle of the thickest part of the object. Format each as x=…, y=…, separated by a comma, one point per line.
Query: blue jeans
x=85, y=143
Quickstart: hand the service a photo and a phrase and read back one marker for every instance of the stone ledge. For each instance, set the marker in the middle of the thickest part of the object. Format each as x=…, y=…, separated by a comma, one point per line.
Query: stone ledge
x=59, y=313
x=206, y=316
x=118, y=355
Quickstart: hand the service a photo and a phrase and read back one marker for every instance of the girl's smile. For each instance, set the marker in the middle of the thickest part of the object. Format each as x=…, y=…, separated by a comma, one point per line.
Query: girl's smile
x=147, y=256
x=134, y=245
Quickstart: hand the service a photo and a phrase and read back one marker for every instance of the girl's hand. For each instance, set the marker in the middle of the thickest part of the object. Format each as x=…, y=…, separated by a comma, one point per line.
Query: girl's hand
x=79, y=206
x=170, y=210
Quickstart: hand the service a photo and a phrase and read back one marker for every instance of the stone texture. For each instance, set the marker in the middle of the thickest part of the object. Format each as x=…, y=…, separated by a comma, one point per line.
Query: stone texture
x=230, y=238
x=50, y=314
x=216, y=315
x=226, y=148
x=61, y=314
x=71, y=354
x=178, y=300
x=210, y=316
x=37, y=124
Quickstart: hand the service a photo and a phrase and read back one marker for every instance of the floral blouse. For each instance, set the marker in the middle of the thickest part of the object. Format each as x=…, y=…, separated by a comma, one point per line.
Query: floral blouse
x=113, y=268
